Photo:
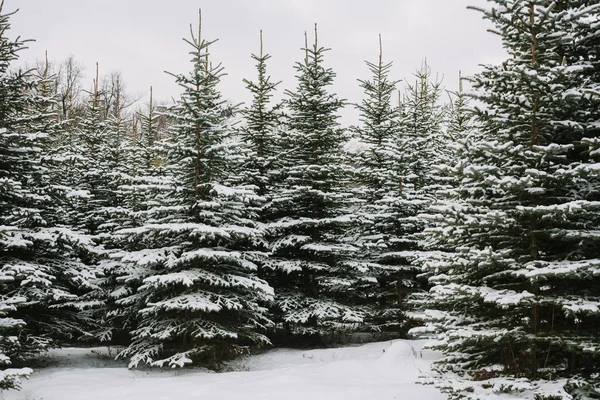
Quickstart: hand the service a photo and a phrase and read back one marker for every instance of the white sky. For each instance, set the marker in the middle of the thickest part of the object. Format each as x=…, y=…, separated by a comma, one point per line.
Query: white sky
x=143, y=38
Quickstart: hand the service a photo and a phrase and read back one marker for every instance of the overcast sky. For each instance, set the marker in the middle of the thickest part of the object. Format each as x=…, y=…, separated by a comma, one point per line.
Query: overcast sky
x=143, y=38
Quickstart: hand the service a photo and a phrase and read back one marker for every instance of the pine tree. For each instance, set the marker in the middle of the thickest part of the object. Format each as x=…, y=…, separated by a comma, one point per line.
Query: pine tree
x=422, y=123
x=40, y=270
x=11, y=89
x=98, y=139
x=387, y=214
x=460, y=120
x=90, y=166
x=461, y=131
x=144, y=189
x=149, y=138
x=146, y=177
x=113, y=157
x=262, y=122
x=316, y=287
x=522, y=290
x=198, y=299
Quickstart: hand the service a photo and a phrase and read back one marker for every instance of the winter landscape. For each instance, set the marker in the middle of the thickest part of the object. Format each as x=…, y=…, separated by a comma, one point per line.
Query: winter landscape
x=444, y=244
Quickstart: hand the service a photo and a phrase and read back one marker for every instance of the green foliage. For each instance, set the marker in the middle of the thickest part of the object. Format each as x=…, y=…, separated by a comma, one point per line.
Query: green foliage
x=310, y=267
x=387, y=205
x=262, y=125
x=520, y=289
x=41, y=275
x=186, y=275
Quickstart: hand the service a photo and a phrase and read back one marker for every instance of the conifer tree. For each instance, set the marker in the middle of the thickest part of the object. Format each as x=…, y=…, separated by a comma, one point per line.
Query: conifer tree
x=149, y=136
x=316, y=287
x=99, y=146
x=385, y=207
x=198, y=299
x=11, y=89
x=113, y=158
x=461, y=131
x=262, y=122
x=145, y=188
x=89, y=166
x=145, y=178
x=522, y=290
x=422, y=123
x=460, y=117
x=41, y=273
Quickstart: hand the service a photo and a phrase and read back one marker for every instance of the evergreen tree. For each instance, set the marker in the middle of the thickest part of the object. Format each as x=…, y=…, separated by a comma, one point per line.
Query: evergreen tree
x=113, y=157
x=149, y=139
x=460, y=130
x=262, y=122
x=11, y=89
x=424, y=136
x=40, y=270
x=460, y=120
x=385, y=208
x=198, y=299
x=144, y=189
x=522, y=290
x=99, y=142
x=316, y=287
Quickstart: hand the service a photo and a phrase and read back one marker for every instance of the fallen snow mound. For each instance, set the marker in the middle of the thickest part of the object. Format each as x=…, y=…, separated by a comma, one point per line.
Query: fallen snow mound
x=382, y=371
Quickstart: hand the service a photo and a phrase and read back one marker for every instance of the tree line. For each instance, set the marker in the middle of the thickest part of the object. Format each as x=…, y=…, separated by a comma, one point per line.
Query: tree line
x=197, y=231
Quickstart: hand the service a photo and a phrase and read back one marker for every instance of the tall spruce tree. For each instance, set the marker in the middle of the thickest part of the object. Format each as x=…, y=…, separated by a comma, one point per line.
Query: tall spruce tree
x=197, y=298
x=12, y=103
x=522, y=291
x=145, y=188
x=423, y=134
x=386, y=209
x=97, y=143
x=113, y=158
x=41, y=273
x=316, y=287
x=460, y=129
x=262, y=121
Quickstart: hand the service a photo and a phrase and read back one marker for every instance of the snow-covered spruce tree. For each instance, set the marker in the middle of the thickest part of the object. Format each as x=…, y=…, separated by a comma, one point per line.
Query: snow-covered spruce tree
x=461, y=130
x=149, y=134
x=423, y=136
x=11, y=103
x=145, y=173
x=260, y=132
x=260, y=144
x=40, y=273
x=424, y=146
x=198, y=297
x=75, y=161
x=407, y=162
x=460, y=119
x=88, y=162
x=117, y=185
x=98, y=142
x=317, y=291
x=522, y=296
x=115, y=157
x=385, y=207
x=144, y=189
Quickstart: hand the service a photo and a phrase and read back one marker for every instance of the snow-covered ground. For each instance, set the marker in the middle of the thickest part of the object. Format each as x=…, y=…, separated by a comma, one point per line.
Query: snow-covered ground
x=381, y=371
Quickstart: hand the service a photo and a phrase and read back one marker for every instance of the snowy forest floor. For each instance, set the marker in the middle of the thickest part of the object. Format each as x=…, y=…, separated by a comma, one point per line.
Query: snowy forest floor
x=382, y=371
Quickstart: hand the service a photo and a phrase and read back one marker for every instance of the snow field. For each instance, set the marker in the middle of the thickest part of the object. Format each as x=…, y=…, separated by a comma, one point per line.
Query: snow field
x=381, y=371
